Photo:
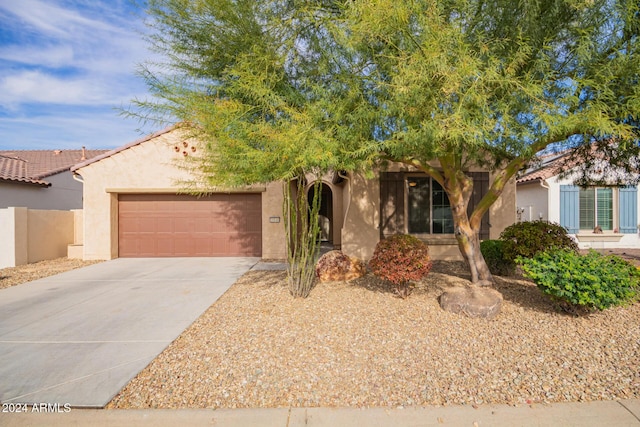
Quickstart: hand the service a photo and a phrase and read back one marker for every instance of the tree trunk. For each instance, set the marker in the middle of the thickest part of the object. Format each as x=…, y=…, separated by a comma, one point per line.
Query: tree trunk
x=480, y=300
x=469, y=244
x=459, y=188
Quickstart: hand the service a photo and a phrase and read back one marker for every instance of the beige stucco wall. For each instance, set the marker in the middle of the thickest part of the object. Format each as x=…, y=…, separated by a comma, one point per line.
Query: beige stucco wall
x=75, y=249
x=503, y=212
x=49, y=233
x=153, y=166
x=273, y=232
x=361, y=233
x=29, y=235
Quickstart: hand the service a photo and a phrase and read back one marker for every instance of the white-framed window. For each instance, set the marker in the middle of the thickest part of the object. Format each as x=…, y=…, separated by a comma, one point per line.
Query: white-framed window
x=597, y=208
x=611, y=208
x=428, y=208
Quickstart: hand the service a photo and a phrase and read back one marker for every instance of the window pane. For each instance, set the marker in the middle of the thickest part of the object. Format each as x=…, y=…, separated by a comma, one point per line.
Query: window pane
x=605, y=208
x=419, y=192
x=587, y=209
x=442, y=216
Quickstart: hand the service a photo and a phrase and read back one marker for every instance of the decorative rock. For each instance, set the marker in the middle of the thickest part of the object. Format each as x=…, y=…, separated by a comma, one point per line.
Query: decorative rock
x=335, y=266
x=473, y=301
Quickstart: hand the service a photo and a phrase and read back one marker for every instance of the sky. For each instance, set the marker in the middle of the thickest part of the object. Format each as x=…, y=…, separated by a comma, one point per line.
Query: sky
x=67, y=69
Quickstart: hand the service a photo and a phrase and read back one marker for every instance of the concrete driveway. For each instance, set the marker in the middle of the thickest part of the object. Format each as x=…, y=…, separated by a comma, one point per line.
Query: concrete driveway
x=78, y=337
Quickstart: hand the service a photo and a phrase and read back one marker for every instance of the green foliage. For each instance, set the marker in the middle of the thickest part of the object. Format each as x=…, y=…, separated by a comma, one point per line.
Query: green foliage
x=399, y=260
x=493, y=253
x=526, y=239
x=583, y=282
x=276, y=88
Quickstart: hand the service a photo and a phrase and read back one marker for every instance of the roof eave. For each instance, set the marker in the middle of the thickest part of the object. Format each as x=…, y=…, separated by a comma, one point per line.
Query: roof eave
x=110, y=153
x=26, y=181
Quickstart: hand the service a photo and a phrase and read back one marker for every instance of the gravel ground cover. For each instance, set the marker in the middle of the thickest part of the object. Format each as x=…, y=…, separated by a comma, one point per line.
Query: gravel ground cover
x=12, y=276
x=355, y=344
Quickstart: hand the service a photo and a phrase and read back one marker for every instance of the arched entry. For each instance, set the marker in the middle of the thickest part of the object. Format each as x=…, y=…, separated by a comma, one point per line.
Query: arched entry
x=325, y=213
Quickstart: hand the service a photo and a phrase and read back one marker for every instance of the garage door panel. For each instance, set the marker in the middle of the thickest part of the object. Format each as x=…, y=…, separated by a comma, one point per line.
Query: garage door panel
x=242, y=243
x=203, y=246
x=182, y=246
x=181, y=225
x=253, y=222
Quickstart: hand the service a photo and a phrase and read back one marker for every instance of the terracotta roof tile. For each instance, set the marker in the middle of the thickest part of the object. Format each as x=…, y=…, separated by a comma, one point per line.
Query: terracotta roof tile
x=14, y=169
x=32, y=166
x=551, y=165
x=110, y=153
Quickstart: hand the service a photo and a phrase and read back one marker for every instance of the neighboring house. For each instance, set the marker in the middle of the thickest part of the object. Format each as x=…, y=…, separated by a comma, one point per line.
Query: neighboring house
x=40, y=205
x=41, y=179
x=598, y=217
x=133, y=207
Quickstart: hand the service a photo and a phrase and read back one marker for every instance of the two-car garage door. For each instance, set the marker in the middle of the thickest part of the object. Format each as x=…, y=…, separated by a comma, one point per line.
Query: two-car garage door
x=170, y=225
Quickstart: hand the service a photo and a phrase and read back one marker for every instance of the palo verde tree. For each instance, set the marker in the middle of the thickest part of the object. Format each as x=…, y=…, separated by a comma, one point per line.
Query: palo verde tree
x=282, y=87
x=451, y=84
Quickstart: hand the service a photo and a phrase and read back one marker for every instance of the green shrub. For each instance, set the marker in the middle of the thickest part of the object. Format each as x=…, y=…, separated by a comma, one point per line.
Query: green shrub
x=526, y=239
x=493, y=253
x=583, y=282
x=399, y=260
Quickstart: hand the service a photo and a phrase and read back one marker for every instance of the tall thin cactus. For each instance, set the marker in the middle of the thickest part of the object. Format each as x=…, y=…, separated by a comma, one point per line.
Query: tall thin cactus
x=302, y=235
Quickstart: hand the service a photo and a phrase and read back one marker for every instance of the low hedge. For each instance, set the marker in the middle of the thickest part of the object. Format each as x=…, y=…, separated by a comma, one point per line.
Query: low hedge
x=583, y=283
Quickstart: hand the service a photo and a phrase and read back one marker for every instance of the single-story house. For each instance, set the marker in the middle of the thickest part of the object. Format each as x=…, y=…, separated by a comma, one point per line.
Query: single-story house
x=598, y=217
x=135, y=206
x=41, y=179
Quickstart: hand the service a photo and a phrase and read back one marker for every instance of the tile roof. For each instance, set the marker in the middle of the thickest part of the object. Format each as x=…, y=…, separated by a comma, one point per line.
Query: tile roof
x=32, y=166
x=109, y=153
x=550, y=165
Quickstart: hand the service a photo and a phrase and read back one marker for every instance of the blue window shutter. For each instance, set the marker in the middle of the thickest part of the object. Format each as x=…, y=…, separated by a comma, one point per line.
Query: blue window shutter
x=628, y=209
x=570, y=208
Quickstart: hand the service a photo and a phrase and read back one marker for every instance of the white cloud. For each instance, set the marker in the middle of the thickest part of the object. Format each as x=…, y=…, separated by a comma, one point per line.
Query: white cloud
x=64, y=66
x=36, y=87
x=48, y=56
x=52, y=19
x=52, y=36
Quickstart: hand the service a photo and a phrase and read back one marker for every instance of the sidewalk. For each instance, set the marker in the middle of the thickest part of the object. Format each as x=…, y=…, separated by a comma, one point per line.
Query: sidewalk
x=608, y=413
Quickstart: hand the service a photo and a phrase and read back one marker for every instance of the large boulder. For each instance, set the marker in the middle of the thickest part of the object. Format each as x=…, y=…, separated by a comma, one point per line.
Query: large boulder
x=473, y=301
x=335, y=266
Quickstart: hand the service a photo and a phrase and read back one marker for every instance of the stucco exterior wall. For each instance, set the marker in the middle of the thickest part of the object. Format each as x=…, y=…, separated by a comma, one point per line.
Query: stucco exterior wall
x=533, y=201
x=361, y=232
x=273, y=231
x=63, y=194
x=153, y=166
x=503, y=212
x=29, y=235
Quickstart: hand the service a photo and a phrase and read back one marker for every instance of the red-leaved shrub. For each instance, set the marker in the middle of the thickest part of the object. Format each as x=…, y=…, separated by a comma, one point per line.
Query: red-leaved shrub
x=401, y=259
